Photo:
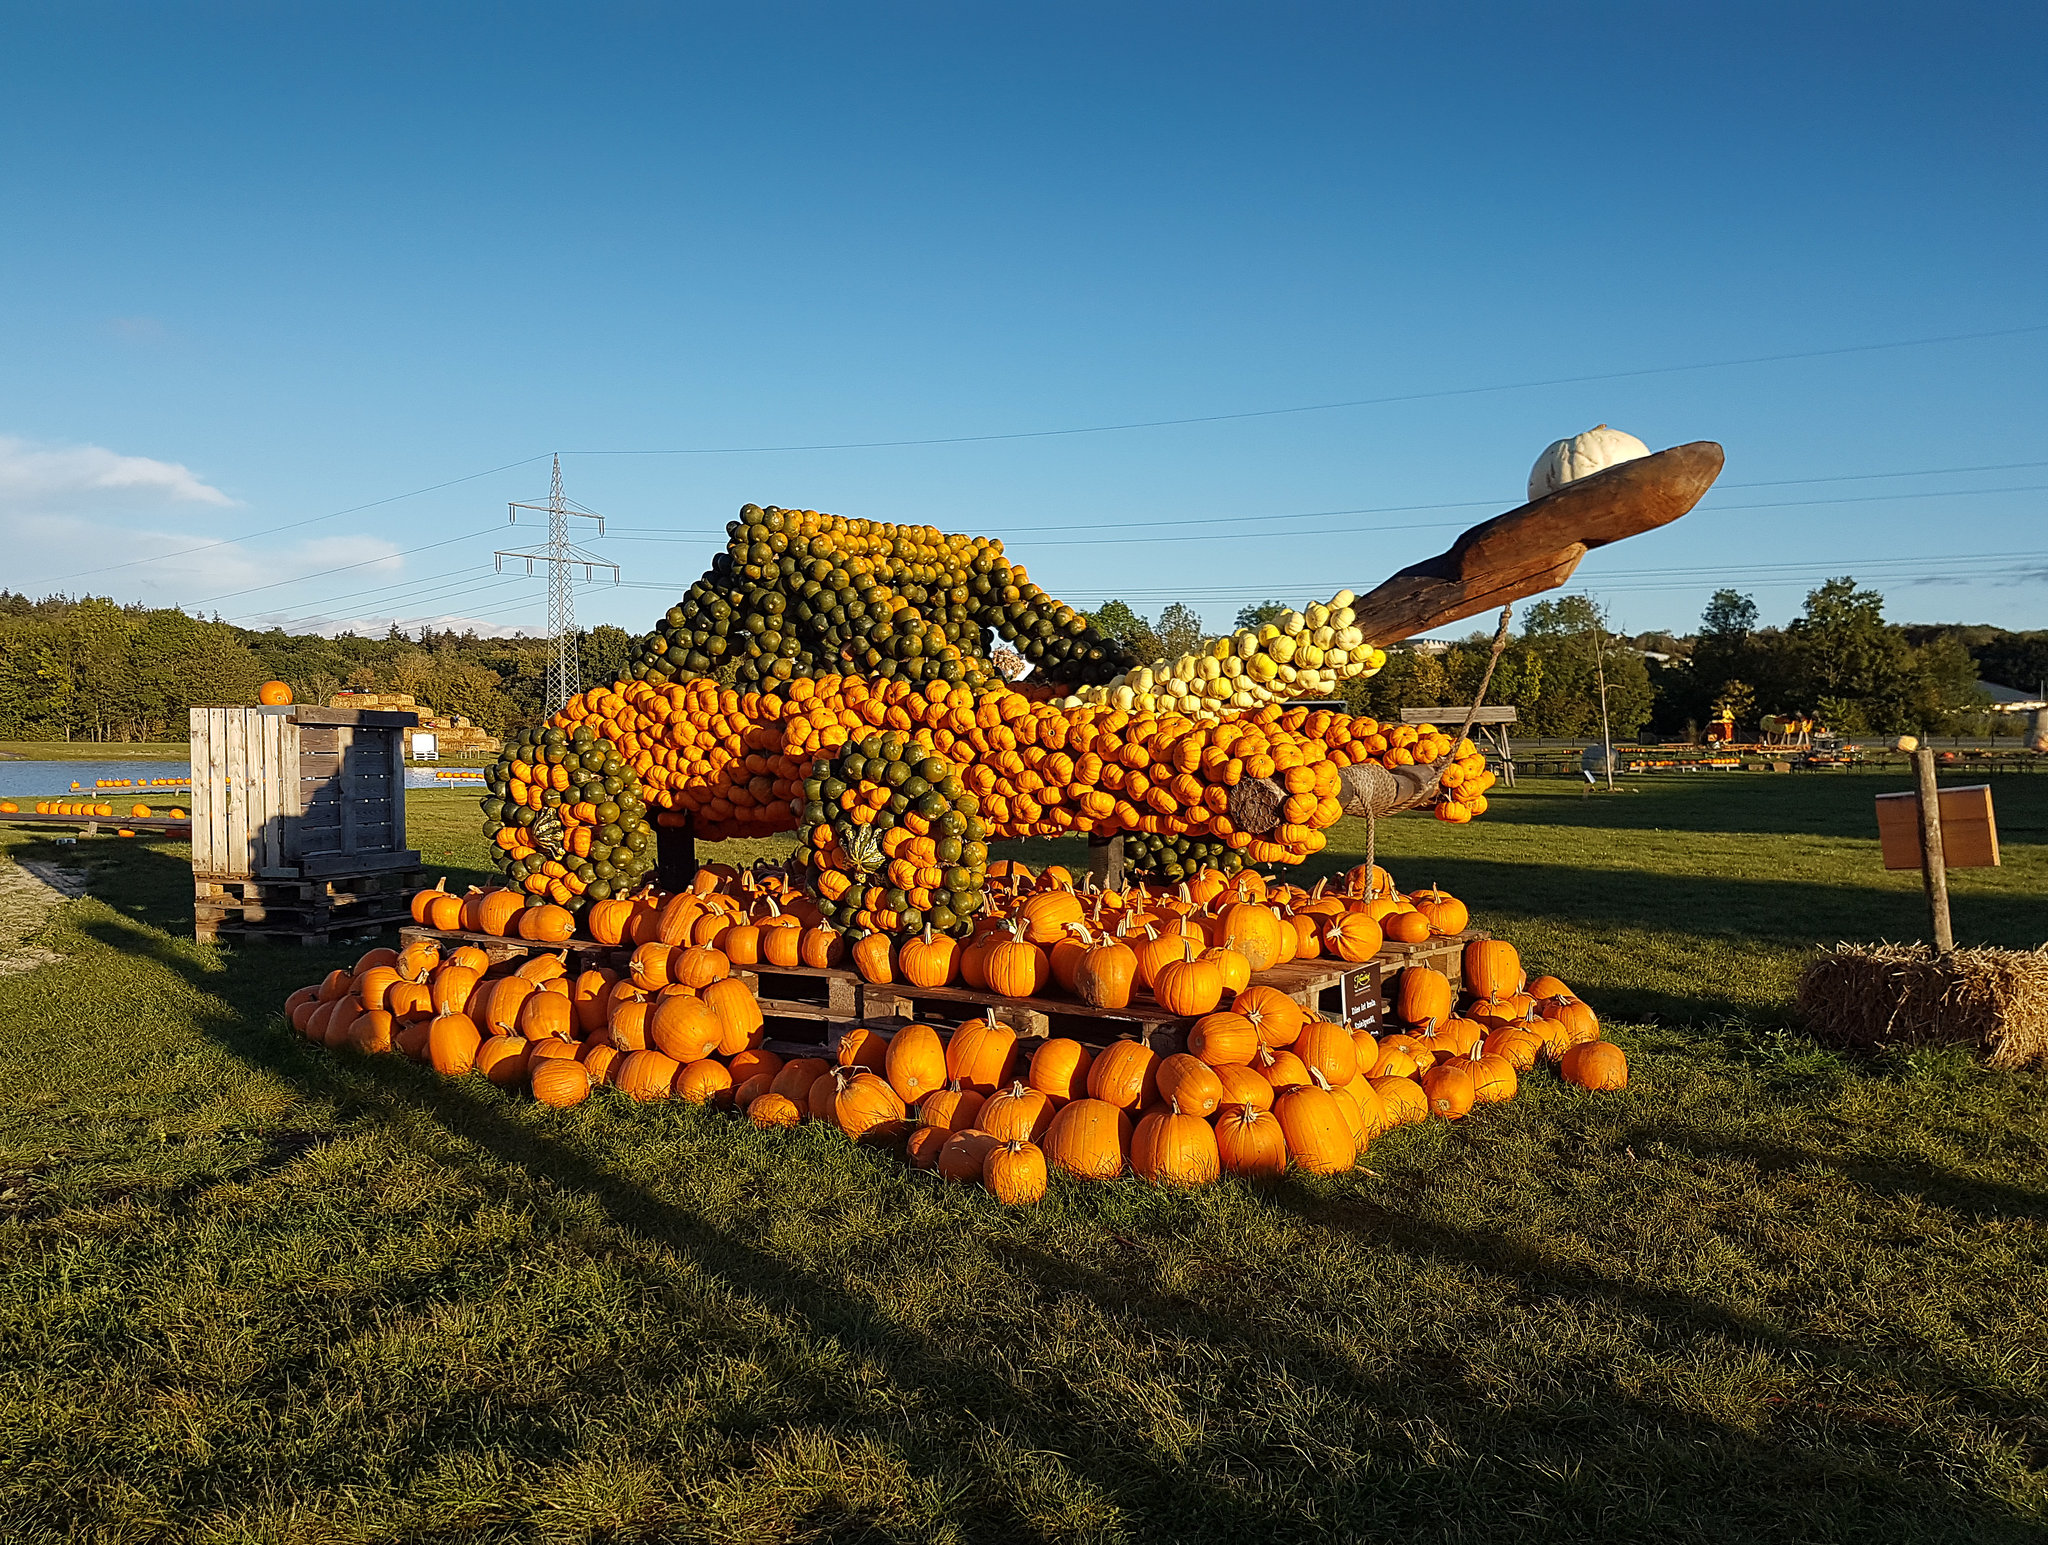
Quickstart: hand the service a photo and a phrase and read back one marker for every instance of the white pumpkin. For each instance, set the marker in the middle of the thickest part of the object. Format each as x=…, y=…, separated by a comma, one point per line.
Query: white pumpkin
x=1566, y=461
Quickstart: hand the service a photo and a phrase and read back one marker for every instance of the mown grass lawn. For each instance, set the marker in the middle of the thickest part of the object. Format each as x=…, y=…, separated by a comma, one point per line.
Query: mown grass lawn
x=254, y=1291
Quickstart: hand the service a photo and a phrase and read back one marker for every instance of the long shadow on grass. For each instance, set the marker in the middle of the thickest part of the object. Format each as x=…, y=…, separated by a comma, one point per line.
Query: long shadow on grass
x=1813, y=805
x=390, y=1091
x=1176, y=1498
x=1968, y=1197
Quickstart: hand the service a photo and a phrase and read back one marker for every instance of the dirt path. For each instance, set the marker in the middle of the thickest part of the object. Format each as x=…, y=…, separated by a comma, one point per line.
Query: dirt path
x=29, y=892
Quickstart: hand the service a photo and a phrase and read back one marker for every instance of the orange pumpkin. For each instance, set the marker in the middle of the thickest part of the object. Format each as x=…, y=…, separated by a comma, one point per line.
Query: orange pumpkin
x=1089, y=1140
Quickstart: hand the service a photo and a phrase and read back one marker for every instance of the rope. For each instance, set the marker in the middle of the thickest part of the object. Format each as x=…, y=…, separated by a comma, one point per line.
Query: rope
x=1500, y=642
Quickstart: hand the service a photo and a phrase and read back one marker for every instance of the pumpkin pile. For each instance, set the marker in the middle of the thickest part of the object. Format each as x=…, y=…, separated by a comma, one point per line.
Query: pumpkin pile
x=1302, y=654
x=797, y=593
x=565, y=818
x=1262, y=1087
x=896, y=842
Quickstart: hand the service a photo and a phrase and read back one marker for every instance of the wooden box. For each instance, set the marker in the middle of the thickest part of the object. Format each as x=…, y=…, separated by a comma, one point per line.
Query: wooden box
x=1969, y=832
x=298, y=792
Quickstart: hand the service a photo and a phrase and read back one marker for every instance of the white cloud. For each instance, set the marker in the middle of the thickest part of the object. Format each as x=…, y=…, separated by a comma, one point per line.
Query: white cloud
x=42, y=478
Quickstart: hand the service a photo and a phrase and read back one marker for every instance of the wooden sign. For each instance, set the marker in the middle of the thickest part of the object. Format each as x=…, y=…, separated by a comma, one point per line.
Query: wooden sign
x=1362, y=1010
x=1969, y=832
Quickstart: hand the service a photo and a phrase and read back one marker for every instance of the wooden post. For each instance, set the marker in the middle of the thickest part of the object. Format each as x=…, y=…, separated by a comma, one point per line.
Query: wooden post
x=1106, y=861
x=675, y=854
x=1933, y=865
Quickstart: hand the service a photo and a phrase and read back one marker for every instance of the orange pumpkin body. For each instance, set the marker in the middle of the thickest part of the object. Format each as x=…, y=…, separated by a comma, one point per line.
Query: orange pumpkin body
x=964, y=1155
x=683, y=1028
x=1124, y=1075
x=737, y=1013
x=706, y=1081
x=1171, y=1148
x=452, y=1042
x=1595, y=1065
x=1106, y=973
x=982, y=1055
x=1402, y=1099
x=773, y=1110
x=1019, y=1111
x=646, y=1075
x=1015, y=1173
x=503, y=1060
x=1060, y=1068
x=1449, y=1087
x=1253, y=931
x=1223, y=1038
x=1249, y=1142
x=1089, y=1140
x=951, y=1109
x=560, y=1081
x=1319, y=1140
x=1243, y=1086
x=1189, y=1084
x=1329, y=1050
x=915, y=1062
x=1277, y=1017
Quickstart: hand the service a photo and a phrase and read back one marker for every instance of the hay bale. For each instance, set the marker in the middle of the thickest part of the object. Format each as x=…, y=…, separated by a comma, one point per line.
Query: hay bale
x=1861, y=996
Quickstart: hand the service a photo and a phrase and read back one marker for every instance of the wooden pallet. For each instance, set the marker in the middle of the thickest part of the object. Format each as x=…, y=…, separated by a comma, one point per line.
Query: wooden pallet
x=496, y=948
x=1445, y=954
x=313, y=911
x=803, y=992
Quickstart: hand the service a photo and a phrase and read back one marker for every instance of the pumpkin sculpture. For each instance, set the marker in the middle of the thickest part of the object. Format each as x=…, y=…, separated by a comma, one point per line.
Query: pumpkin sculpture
x=899, y=777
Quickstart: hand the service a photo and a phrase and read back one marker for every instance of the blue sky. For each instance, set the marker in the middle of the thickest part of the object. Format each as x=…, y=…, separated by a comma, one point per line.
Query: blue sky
x=266, y=263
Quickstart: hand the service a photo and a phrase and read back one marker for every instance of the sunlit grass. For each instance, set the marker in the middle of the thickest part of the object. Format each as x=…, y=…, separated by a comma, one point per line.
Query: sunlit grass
x=254, y=1291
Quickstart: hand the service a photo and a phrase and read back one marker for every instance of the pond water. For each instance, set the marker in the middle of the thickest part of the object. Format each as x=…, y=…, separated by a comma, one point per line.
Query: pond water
x=53, y=780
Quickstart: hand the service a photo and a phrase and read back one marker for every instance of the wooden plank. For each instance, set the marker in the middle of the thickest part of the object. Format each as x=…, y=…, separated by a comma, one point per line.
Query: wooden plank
x=358, y=863
x=345, y=783
x=241, y=856
x=1443, y=716
x=394, y=793
x=1969, y=828
x=216, y=752
x=384, y=718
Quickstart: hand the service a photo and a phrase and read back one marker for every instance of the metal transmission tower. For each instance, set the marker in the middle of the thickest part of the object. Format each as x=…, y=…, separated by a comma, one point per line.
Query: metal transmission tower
x=561, y=556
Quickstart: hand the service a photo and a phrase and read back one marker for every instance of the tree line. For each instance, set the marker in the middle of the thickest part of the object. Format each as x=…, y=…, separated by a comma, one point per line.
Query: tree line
x=1839, y=661
x=92, y=669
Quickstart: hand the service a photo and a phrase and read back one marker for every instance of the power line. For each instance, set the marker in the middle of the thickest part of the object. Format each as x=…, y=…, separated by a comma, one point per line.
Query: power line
x=406, y=552
x=312, y=520
x=671, y=534
x=462, y=590
x=1325, y=407
x=403, y=584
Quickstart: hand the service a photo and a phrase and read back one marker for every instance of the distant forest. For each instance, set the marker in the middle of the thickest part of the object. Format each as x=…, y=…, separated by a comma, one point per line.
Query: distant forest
x=91, y=669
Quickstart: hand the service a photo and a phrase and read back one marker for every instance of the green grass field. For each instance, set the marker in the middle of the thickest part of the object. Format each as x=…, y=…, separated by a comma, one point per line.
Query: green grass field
x=96, y=750
x=251, y=1291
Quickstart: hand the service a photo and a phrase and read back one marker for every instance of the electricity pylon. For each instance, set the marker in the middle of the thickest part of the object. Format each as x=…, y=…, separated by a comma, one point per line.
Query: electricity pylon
x=565, y=679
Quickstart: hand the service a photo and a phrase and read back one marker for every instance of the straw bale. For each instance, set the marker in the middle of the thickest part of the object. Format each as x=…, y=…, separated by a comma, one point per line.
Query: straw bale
x=1996, y=1000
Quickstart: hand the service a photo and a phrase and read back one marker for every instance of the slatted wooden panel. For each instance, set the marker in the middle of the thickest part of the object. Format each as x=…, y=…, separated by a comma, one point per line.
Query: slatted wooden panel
x=243, y=803
x=279, y=793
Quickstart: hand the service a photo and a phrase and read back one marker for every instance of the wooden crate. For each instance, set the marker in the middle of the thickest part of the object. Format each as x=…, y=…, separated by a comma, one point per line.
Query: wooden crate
x=298, y=792
x=321, y=911
x=297, y=796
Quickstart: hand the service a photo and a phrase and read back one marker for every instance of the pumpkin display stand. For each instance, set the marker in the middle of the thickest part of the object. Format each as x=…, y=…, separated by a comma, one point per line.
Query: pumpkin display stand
x=298, y=823
x=808, y=1007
